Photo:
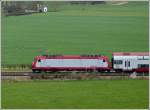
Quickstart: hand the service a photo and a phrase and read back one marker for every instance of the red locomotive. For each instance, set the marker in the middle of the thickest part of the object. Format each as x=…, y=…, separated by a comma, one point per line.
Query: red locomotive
x=71, y=63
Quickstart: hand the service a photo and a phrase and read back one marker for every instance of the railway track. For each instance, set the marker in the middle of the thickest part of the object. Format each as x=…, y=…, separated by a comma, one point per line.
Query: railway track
x=62, y=73
x=66, y=75
x=16, y=73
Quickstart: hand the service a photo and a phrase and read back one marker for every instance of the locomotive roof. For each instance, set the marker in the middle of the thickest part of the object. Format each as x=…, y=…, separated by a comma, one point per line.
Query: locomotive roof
x=73, y=56
x=131, y=54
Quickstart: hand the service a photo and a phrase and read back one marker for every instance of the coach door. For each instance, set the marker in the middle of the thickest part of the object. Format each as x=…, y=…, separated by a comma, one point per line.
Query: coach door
x=127, y=65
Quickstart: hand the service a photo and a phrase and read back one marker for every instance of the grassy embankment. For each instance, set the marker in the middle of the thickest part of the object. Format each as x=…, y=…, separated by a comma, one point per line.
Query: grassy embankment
x=103, y=94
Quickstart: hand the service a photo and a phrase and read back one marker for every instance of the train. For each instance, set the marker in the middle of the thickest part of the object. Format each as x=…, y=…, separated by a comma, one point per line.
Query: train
x=120, y=62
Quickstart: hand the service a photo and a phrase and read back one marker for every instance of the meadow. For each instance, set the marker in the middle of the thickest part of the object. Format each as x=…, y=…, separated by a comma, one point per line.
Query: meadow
x=75, y=30
x=83, y=94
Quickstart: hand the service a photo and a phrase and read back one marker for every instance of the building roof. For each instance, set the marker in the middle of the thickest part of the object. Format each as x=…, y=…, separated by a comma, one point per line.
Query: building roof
x=131, y=54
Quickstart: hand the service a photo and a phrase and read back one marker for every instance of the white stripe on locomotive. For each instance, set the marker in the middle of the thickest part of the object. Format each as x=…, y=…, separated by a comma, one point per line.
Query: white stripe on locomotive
x=72, y=63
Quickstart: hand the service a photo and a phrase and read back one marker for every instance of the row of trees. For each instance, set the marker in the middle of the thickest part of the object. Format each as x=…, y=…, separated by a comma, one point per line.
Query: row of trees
x=20, y=7
x=87, y=2
x=26, y=7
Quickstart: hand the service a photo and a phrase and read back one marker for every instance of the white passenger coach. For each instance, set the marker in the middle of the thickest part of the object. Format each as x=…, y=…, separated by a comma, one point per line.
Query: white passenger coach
x=132, y=61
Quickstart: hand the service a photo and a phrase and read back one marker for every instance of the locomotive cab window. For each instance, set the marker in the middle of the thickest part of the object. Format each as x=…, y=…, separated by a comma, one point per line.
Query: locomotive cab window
x=103, y=60
x=39, y=60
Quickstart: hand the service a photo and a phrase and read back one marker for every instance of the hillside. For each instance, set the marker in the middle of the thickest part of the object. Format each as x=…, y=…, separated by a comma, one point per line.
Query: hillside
x=77, y=29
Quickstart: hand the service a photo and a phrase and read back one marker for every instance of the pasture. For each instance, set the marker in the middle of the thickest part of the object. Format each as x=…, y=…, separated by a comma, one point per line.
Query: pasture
x=83, y=94
x=74, y=30
x=77, y=29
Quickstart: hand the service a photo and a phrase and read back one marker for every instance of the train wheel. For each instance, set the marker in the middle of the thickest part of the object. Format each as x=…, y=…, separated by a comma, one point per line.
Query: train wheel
x=101, y=71
x=39, y=71
x=34, y=71
x=118, y=71
x=108, y=71
x=90, y=70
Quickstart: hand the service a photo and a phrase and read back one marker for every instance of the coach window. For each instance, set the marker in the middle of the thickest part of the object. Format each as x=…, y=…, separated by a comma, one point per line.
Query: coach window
x=141, y=58
x=143, y=66
x=117, y=61
x=129, y=64
x=146, y=58
x=125, y=64
x=120, y=61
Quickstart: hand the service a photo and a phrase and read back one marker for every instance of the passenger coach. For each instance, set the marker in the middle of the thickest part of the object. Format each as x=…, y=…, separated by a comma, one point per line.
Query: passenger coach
x=131, y=61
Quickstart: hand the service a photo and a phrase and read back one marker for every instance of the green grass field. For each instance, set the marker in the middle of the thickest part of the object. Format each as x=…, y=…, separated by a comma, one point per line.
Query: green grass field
x=76, y=29
x=97, y=29
x=114, y=94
